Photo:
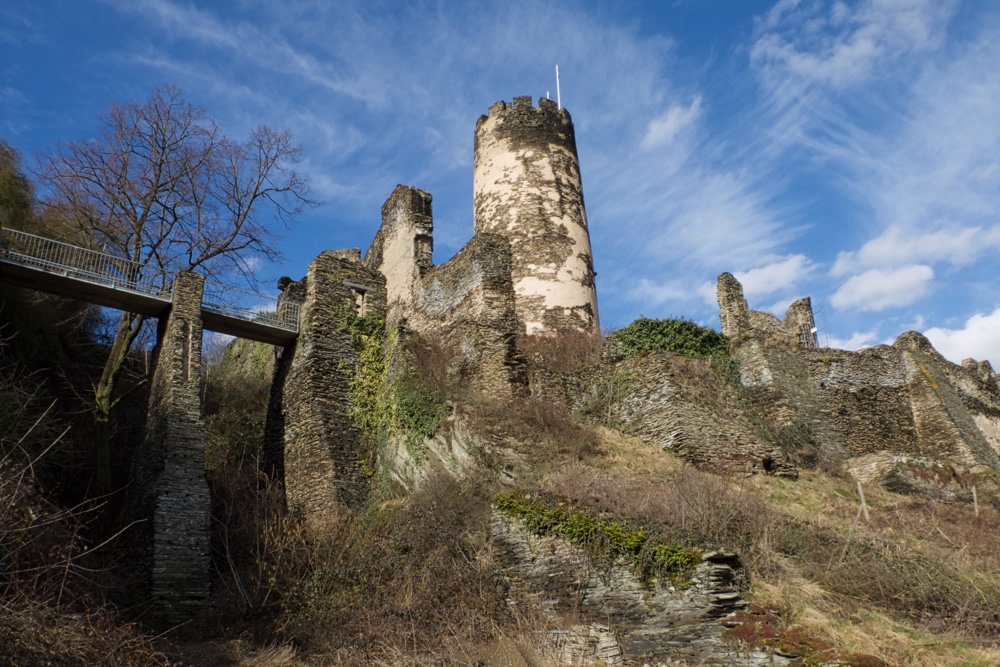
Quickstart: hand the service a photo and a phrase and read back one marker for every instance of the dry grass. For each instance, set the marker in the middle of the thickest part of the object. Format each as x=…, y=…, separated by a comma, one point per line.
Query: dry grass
x=919, y=585
x=50, y=613
x=396, y=585
x=565, y=352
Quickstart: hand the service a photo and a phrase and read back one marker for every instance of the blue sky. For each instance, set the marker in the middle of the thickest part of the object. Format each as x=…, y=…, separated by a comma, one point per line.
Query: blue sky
x=848, y=151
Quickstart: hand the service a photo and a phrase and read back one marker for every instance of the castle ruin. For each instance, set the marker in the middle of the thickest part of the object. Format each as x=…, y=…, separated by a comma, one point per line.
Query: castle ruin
x=875, y=409
x=528, y=270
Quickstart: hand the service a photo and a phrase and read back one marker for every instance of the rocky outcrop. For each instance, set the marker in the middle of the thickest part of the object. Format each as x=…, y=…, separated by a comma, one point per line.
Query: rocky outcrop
x=613, y=617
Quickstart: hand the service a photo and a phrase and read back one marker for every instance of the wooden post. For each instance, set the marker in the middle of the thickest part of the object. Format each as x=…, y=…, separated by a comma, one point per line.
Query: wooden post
x=864, y=505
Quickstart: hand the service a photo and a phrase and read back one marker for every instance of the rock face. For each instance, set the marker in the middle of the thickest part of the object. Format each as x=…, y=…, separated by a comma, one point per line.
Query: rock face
x=169, y=495
x=614, y=618
x=902, y=399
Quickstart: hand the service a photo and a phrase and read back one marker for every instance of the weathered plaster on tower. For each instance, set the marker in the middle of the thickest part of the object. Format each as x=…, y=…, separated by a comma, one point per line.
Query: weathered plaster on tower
x=169, y=492
x=527, y=187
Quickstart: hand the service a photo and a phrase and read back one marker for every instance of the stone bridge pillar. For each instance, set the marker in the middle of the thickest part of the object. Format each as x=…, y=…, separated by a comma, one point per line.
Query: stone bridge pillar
x=169, y=492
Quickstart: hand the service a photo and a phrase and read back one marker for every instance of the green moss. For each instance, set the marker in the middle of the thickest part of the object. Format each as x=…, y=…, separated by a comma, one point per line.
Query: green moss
x=651, y=557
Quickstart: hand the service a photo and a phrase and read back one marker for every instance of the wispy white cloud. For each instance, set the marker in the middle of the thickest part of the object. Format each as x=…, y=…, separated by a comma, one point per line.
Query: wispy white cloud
x=840, y=45
x=781, y=274
x=898, y=247
x=879, y=289
x=662, y=130
x=979, y=339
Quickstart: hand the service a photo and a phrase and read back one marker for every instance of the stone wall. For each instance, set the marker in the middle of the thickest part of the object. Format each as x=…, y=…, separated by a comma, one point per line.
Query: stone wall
x=168, y=492
x=527, y=187
x=466, y=304
x=311, y=442
x=625, y=622
x=904, y=398
x=680, y=403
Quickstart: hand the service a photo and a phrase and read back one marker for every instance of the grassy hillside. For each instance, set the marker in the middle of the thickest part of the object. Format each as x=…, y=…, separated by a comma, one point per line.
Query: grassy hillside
x=414, y=579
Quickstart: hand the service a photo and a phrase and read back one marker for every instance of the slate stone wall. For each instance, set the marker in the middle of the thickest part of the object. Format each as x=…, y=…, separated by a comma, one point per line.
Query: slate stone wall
x=466, y=304
x=904, y=398
x=630, y=623
x=680, y=403
x=311, y=442
x=169, y=494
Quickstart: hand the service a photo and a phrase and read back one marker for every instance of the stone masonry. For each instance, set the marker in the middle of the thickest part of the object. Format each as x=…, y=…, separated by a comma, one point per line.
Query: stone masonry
x=527, y=187
x=169, y=495
x=528, y=268
x=311, y=442
x=681, y=404
x=629, y=622
x=465, y=304
x=903, y=399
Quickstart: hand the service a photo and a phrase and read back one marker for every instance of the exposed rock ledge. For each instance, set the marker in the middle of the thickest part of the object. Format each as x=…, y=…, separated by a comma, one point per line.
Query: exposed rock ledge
x=613, y=618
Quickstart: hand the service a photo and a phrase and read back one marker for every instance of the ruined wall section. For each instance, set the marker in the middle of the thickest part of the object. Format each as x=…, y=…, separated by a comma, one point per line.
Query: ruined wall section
x=402, y=249
x=680, y=403
x=904, y=398
x=466, y=304
x=797, y=329
x=312, y=442
x=168, y=491
x=527, y=187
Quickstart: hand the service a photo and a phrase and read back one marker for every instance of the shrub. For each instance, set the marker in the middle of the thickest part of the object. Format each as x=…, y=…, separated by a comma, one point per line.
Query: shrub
x=671, y=335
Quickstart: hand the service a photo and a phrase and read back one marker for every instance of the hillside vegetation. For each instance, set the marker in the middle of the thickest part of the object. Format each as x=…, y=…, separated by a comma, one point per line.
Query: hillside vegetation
x=413, y=578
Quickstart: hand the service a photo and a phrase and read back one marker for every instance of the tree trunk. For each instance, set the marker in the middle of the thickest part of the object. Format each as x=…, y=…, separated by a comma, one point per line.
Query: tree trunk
x=128, y=330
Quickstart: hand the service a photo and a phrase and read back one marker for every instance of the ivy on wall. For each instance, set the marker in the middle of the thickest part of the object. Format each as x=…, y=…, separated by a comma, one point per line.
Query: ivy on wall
x=652, y=557
x=387, y=398
x=679, y=335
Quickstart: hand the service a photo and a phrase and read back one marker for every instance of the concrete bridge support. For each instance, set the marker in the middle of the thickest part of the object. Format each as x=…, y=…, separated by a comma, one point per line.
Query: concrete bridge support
x=170, y=493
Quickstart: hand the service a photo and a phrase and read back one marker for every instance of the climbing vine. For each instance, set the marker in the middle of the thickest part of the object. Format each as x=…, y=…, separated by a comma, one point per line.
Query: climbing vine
x=386, y=398
x=651, y=557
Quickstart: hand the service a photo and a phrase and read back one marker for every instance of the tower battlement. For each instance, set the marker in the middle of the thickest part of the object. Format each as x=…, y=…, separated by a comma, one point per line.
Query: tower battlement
x=522, y=109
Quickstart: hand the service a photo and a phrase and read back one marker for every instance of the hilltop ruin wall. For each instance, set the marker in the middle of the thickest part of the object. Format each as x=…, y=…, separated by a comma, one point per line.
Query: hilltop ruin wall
x=903, y=398
x=311, y=441
x=466, y=304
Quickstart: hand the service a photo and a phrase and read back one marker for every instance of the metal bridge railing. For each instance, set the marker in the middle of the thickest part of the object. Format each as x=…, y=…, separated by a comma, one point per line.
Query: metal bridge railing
x=250, y=306
x=88, y=265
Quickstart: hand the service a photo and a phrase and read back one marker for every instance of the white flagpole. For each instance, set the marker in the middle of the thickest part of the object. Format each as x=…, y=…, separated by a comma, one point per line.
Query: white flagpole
x=558, y=97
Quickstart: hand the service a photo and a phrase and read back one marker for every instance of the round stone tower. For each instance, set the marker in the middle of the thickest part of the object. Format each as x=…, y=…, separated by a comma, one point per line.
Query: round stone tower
x=526, y=187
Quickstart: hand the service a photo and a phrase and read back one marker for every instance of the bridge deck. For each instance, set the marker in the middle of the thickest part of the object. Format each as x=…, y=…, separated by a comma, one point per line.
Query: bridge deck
x=57, y=268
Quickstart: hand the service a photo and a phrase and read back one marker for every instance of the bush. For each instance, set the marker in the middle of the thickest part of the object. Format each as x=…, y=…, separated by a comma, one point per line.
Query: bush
x=396, y=584
x=51, y=614
x=670, y=335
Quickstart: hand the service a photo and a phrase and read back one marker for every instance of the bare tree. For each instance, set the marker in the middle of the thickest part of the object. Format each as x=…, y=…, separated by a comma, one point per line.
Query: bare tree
x=16, y=194
x=164, y=187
